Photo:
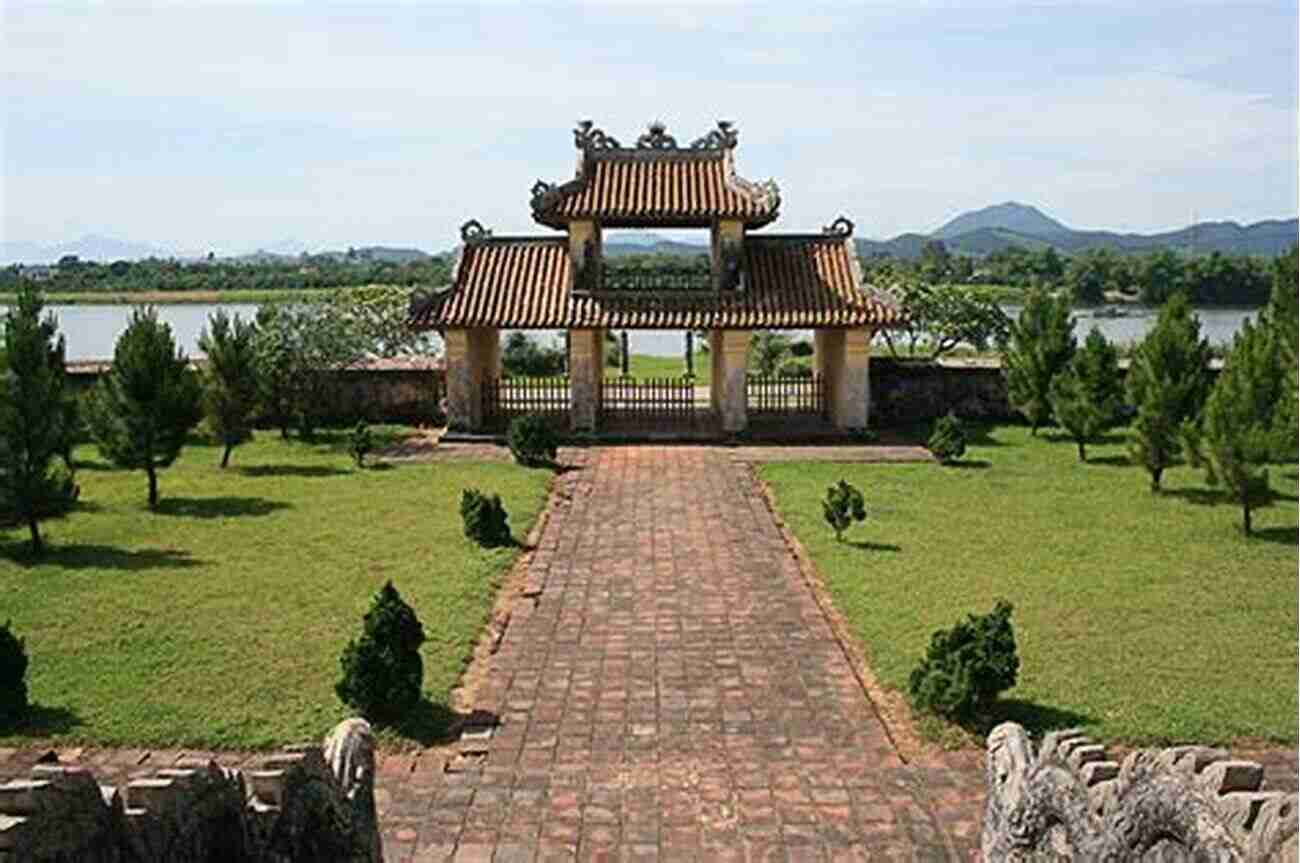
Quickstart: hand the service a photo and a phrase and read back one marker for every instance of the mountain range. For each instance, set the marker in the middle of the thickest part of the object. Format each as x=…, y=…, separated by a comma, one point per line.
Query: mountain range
x=978, y=232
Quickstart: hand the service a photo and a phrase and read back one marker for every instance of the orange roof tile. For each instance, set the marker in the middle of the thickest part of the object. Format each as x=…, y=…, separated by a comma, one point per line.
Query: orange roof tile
x=787, y=282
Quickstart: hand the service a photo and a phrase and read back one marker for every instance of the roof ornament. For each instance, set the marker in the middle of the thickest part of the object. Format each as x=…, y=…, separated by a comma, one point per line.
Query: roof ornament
x=841, y=227
x=540, y=190
x=657, y=138
x=588, y=137
x=474, y=232
x=722, y=138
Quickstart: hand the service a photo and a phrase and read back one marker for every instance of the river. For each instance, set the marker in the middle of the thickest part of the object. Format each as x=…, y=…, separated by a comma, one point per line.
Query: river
x=92, y=330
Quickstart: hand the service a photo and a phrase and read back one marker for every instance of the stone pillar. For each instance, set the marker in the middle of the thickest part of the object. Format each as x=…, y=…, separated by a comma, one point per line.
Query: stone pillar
x=732, y=359
x=471, y=356
x=850, y=382
x=715, y=371
x=586, y=370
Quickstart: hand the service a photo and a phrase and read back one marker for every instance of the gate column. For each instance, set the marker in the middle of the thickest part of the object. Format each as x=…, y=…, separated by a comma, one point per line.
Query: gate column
x=730, y=356
x=842, y=357
x=586, y=371
x=471, y=356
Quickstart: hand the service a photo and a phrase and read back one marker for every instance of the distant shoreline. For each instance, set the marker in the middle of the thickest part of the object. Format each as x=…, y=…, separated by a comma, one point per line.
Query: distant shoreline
x=170, y=298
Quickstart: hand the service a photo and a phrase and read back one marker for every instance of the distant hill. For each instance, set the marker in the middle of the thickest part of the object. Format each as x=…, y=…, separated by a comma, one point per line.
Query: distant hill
x=1019, y=218
x=991, y=229
x=91, y=247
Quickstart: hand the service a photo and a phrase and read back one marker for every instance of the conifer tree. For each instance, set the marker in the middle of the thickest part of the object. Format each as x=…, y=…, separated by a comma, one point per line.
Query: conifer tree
x=1167, y=384
x=1283, y=319
x=142, y=409
x=33, y=414
x=1041, y=343
x=1235, y=435
x=1087, y=395
x=230, y=381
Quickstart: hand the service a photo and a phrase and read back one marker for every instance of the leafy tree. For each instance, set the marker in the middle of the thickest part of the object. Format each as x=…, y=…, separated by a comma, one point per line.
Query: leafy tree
x=1087, y=396
x=144, y=406
x=230, y=379
x=1159, y=277
x=843, y=506
x=1041, y=343
x=946, y=316
x=377, y=314
x=301, y=348
x=382, y=670
x=1167, y=383
x=1090, y=275
x=33, y=417
x=767, y=350
x=966, y=667
x=524, y=357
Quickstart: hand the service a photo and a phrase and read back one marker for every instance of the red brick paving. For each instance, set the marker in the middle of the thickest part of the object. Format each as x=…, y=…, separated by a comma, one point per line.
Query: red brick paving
x=673, y=693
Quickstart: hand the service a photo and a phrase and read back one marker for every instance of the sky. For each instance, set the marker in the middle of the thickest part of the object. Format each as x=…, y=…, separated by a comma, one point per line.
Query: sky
x=232, y=126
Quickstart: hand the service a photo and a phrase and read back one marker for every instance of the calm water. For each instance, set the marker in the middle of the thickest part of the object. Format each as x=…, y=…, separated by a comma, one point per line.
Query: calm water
x=92, y=330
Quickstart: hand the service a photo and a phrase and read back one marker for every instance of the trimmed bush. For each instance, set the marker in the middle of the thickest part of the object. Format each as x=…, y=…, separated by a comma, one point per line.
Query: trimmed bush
x=360, y=443
x=13, y=674
x=382, y=670
x=948, y=439
x=967, y=666
x=532, y=441
x=843, y=505
x=485, y=519
x=796, y=367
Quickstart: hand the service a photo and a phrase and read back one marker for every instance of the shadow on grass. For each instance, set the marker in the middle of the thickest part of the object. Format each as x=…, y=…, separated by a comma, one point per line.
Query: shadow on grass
x=85, y=556
x=218, y=507
x=79, y=465
x=1063, y=437
x=432, y=723
x=1279, y=535
x=873, y=546
x=295, y=470
x=1218, y=496
x=970, y=464
x=1110, y=461
x=1037, y=718
x=42, y=721
x=981, y=434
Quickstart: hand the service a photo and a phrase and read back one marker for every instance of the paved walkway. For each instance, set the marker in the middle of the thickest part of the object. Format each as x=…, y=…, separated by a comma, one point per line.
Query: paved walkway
x=676, y=694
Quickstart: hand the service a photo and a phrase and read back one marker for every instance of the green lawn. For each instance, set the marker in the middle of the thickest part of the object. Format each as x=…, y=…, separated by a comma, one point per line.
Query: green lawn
x=1148, y=618
x=646, y=366
x=218, y=621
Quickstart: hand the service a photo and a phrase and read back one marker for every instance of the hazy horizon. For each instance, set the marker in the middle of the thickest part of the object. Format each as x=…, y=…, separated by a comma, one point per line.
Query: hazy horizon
x=230, y=127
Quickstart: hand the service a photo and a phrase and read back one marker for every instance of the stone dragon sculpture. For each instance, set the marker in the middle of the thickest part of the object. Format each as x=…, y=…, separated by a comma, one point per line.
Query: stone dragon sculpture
x=1066, y=801
x=306, y=803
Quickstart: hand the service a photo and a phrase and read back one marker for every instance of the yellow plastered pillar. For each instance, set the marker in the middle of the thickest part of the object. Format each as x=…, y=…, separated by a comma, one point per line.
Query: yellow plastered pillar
x=853, y=382
x=471, y=356
x=586, y=369
x=715, y=372
x=828, y=362
x=732, y=354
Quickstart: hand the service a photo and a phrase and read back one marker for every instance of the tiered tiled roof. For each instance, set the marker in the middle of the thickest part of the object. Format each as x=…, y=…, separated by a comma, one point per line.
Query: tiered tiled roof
x=791, y=281
x=655, y=183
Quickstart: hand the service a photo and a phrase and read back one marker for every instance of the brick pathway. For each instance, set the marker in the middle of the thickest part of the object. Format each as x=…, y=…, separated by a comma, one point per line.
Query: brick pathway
x=675, y=693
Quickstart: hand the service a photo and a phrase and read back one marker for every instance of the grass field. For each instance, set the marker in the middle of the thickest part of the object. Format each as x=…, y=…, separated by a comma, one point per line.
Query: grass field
x=646, y=366
x=1148, y=618
x=218, y=621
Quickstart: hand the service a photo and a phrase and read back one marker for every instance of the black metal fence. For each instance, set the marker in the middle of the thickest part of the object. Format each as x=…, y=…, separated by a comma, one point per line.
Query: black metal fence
x=647, y=401
x=506, y=398
x=786, y=395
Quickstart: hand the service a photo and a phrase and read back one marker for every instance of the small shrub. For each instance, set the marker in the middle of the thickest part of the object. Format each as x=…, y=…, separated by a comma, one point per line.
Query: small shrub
x=967, y=666
x=843, y=505
x=360, y=443
x=796, y=367
x=531, y=440
x=382, y=670
x=948, y=439
x=485, y=519
x=13, y=674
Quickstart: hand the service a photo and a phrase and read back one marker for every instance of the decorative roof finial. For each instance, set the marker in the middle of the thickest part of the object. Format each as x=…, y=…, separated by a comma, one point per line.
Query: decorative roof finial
x=588, y=137
x=841, y=227
x=722, y=138
x=474, y=232
x=657, y=138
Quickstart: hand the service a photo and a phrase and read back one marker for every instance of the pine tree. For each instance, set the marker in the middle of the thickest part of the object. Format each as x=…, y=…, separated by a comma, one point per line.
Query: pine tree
x=1282, y=317
x=1235, y=435
x=1086, y=397
x=33, y=413
x=1041, y=343
x=1167, y=383
x=142, y=409
x=230, y=380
